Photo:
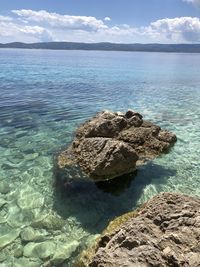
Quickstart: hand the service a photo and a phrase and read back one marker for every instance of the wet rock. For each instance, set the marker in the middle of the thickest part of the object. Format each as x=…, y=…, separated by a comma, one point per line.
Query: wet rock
x=8, y=238
x=30, y=234
x=112, y=144
x=2, y=202
x=17, y=217
x=2, y=219
x=25, y=262
x=4, y=187
x=91, y=239
x=32, y=156
x=42, y=250
x=50, y=222
x=3, y=256
x=164, y=232
x=64, y=252
x=9, y=165
x=29, y=199
x=18, y=252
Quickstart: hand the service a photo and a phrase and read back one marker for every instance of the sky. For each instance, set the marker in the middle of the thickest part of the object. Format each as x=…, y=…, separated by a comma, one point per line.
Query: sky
x=119, y=21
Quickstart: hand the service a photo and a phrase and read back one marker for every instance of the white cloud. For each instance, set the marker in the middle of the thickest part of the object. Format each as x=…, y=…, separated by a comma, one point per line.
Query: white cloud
x=5, y=18
x=61, y=21
x=107, y=19
x=194, y=2
x=38, y=32
x=34, y=26
x=183, y=29
x=12, y=31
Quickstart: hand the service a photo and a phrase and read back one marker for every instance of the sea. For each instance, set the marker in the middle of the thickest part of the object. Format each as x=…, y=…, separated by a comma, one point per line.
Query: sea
x=44, y=96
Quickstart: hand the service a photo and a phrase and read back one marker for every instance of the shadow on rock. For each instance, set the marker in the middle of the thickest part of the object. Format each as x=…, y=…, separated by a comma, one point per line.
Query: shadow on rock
x=93, y=205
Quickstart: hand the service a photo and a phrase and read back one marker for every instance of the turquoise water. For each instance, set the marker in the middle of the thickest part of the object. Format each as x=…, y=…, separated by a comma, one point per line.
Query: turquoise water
x=44, y=96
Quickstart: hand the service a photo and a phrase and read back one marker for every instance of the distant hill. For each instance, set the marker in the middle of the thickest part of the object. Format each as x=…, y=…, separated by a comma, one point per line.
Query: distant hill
x=178, y=48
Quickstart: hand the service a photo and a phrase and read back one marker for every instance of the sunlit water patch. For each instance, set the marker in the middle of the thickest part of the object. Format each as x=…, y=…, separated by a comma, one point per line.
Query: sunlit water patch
x=44, y=96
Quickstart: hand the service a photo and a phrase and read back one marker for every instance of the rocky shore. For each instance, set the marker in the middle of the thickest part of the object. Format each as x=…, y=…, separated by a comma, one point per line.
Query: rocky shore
x=112, y=144
x=163, y=232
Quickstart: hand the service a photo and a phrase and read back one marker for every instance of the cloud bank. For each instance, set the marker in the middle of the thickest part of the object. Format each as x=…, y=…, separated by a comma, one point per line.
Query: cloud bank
x=55, y=20
x=36, y=26
x=183, y=29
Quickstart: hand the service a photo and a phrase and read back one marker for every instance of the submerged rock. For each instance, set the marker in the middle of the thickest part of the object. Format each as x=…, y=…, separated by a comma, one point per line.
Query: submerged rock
x=164, y=232
x=29, y=199
x=42, y=250
x=25, y=262
x=4, y=187
x=2, y=202
x=8, y=238
x=30, y=234
x=18, y=251
x=50, y=221
x=112, y=144
x=64, y=252
x=54, y=253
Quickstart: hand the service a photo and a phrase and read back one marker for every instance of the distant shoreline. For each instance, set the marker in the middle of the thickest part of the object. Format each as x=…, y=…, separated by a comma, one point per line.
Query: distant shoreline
x=167, y=48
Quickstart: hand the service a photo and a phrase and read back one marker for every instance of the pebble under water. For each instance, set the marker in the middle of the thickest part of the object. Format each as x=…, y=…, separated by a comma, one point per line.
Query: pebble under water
x=44, y=96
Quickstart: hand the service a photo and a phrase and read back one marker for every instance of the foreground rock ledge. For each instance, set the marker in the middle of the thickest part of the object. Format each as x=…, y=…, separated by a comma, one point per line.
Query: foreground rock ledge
x=112, y=144
x=164, y=232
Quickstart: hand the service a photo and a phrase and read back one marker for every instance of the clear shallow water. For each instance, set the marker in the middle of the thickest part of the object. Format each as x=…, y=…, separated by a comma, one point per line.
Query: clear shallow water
x=44, y=96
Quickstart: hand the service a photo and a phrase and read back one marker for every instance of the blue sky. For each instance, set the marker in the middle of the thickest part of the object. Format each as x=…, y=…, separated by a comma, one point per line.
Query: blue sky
x=123, y=21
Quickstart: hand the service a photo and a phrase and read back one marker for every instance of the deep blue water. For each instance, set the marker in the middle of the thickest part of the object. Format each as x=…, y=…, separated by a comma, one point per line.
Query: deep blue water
x=44, y=96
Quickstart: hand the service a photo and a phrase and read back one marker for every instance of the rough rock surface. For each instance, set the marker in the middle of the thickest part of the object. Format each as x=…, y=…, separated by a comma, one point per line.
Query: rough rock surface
x=164, y=232
x=112, y=144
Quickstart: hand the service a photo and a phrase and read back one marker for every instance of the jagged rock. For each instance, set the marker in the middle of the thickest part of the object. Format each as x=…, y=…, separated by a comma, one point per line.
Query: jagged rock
x=164, y=232
x=105, y=124
x=112, y=144
x=104, y=157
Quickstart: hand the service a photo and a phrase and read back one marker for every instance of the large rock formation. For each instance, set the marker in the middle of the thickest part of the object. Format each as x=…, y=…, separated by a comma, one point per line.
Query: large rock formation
x=112, y=144
x=164, y=232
